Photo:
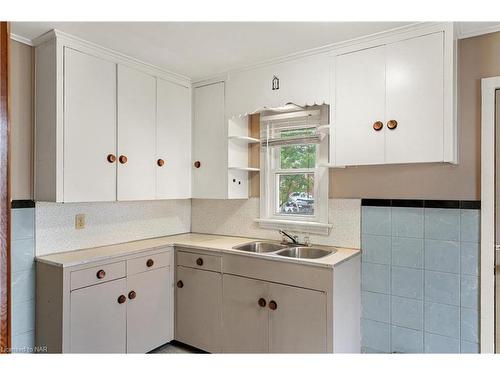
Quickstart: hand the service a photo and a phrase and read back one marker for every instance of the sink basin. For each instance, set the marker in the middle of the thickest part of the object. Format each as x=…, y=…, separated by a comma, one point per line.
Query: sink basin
x=260, y=247
x=305, y=252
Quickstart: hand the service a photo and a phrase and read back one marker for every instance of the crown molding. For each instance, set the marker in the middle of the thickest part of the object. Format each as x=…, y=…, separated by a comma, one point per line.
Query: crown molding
x=21, y=39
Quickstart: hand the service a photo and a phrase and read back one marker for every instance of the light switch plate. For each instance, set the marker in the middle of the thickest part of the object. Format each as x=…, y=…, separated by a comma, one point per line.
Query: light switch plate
x=80, y=221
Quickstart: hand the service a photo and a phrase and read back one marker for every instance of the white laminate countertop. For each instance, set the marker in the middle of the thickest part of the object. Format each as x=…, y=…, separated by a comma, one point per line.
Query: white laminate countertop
x=216, y=243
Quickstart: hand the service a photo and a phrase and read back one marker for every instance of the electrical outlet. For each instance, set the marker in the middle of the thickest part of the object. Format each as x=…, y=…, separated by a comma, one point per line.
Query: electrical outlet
x=80, y=221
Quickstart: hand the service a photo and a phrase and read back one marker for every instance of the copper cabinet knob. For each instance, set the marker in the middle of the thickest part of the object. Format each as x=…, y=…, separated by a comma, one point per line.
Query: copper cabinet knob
x=392, y=124
x=378, y=125
x=132, y=295
x=197, y=164
x=150, y=262
x=262, y=302
x=122, y=299
x=273, y=305
x=180, y=284
x=111, y=158
x=100, y=274
x=199, y=262
x=160, y=162
x=123, y=159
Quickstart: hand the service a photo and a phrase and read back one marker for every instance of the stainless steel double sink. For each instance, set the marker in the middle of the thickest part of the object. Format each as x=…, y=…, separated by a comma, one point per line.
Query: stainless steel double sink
x=289, y=251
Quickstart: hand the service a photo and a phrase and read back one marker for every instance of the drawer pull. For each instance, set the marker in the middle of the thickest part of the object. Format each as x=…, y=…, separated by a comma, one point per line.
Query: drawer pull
x=132, y=295
x=160, y=162
x=273, y=305
x=122, y=299
x=262, y=302
x=100, y=274
x=392, y=124
x=150, y=262
x=123, y=159
x=378, y=125
x=197, y=164
x=111, y=158
x=199, y=262
x=180, y=284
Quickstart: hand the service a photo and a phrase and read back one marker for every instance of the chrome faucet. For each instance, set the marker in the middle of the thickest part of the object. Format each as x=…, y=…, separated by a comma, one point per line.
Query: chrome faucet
x=295, y=239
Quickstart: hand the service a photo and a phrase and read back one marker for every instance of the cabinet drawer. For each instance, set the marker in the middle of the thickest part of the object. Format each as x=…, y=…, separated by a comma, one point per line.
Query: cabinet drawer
x=202, y=261
x=146, y=263
x=97, y=275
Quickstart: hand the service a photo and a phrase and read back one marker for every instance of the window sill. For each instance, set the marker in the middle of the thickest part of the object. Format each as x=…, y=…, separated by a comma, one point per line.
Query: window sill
x=298, y=226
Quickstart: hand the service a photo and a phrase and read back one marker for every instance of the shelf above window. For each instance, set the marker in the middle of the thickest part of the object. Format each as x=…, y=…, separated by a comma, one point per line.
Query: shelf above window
x=248, y=169
x=243, y=139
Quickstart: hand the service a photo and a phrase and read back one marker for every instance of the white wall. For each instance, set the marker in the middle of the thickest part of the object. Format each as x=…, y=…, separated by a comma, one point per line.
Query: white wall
x=107, y=223
x=236, y=218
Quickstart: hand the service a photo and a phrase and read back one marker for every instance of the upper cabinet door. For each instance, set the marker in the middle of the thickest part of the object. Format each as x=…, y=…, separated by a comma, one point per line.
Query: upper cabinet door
x=173, y=141
x=136, y=135
x=358, y=105
x=89, y=128
x=209, y=143
x=414, y=99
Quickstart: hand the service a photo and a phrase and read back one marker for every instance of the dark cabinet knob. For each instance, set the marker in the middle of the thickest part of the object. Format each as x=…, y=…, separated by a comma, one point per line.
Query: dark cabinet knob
x=132, y=295
x=100, y=274
x=150, y=262
x=197, y=164
x=123, y=159
x=392, y=124
x=199, y=262
x=122, y=299
x=111, y=158
x=273, y=305
x=180, y=284
x=378, y=125
x=160, y=162
x=262, y=302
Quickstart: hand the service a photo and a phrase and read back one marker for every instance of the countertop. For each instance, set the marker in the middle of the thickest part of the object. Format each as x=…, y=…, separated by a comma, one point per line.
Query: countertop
x=217, y=243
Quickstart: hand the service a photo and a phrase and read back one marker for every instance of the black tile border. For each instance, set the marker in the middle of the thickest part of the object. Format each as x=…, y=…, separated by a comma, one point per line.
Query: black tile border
x=22, y=203
x=421, y=203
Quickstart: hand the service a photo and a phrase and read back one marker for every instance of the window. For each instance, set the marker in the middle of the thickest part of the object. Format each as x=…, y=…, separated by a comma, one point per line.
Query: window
x=294, y=185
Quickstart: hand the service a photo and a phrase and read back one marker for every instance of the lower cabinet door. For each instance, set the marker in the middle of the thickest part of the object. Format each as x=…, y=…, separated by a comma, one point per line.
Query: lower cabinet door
x=198, y=308
x=245, y=315
x=149, y=310
x=297, y=320
x=98, y=319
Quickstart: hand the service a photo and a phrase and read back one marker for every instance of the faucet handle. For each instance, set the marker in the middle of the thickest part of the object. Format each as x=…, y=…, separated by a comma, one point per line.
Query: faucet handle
x=307, y=241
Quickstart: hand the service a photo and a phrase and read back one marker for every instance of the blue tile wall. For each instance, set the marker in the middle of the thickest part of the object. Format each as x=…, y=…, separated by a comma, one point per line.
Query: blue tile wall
x=23, y=279
x=420, y=280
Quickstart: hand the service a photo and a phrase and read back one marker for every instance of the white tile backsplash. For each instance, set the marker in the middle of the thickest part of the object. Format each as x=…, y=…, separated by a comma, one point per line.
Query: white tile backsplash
x=236, y=218
x=107, y=223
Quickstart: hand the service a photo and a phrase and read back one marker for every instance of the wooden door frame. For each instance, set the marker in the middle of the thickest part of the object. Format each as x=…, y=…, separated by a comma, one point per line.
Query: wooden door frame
x=487, y=273
x=5, y=327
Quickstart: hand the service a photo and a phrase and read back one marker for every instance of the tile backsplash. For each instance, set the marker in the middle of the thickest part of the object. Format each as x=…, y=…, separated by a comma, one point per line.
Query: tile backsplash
x=420, y=286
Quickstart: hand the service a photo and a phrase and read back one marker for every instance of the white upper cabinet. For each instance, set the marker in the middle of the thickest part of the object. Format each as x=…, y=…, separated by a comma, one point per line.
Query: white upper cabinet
x=173, y=141
x=209, y=142
x=136, y=135
x=394, y=102
x=103, y=121
x=360, y=94
x=301, y=81
x=90, y=128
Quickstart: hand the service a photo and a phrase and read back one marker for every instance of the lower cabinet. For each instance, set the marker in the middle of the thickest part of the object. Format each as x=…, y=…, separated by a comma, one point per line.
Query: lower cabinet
x=265, y=317
x=123, y=306
x=98, y=319
x=149, y=310
x=198, y=307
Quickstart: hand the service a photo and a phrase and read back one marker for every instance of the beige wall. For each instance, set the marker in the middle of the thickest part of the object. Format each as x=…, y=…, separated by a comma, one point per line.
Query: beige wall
x=21, y=94
x=478, y=57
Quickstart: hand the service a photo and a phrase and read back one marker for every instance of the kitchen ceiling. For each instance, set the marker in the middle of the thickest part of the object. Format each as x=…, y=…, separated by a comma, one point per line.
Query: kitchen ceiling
x=200, y=49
